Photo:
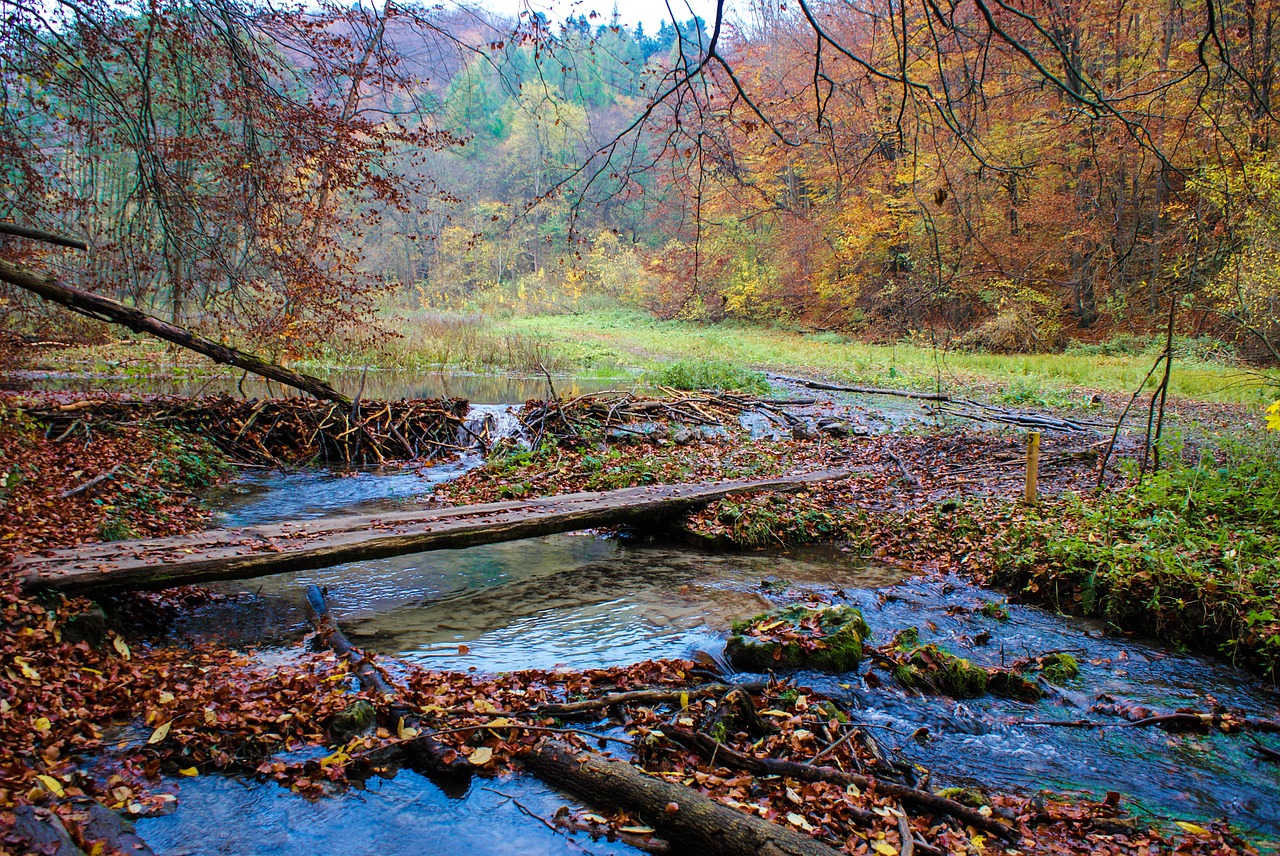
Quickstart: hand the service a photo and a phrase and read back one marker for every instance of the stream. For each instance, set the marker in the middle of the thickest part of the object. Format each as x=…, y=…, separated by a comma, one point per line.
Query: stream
x=584, y=600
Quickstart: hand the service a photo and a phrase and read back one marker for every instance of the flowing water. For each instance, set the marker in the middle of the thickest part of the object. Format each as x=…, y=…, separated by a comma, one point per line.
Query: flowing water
x=584, y=600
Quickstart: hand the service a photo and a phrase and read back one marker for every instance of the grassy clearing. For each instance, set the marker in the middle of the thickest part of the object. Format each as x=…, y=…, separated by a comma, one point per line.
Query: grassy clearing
x=1051, y=379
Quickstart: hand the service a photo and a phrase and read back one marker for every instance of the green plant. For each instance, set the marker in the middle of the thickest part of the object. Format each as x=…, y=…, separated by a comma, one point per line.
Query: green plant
x=709, y=374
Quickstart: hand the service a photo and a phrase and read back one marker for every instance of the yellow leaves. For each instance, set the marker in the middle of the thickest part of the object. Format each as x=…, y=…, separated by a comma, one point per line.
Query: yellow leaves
x=404, y=732
x=884, y=848
x=684, y=700
x=121, y=648
x=337, y=759
x=51, y=785
x=159, y=734
x=1273, y=417
x=481, y=756
x=796, y=820
x=1191, y=828
x=27, y=672
x=189, y=771
x=42, y=725
x=166, y=697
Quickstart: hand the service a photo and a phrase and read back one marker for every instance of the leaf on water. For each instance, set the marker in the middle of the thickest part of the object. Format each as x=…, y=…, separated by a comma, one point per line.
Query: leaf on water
x=189, y=771
x=160, y=733
x=481, y=756
x=52, y=785
x=590, y=817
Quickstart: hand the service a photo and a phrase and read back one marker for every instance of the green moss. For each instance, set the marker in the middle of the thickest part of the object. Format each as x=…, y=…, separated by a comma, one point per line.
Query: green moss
x=1058, y=668
x=930, y=667
x=1011, y=684
x=720, y=731
x=991, y=609
x=834, y=647
x=907, y=639
x=358, y=718
x=965, y=796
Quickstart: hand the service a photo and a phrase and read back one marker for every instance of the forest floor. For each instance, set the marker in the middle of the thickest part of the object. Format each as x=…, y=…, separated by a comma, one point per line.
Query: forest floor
x=1188, y=556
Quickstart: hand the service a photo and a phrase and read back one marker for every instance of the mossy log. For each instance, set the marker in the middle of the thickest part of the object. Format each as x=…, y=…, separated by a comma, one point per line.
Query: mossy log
x=691, y=821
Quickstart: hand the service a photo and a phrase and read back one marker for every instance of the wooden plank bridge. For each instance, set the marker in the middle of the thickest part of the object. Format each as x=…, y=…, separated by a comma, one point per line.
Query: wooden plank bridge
x=256, y=551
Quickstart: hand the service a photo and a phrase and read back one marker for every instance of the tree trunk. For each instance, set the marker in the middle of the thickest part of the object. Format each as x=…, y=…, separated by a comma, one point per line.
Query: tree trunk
x=690, y=821
x=106, y=309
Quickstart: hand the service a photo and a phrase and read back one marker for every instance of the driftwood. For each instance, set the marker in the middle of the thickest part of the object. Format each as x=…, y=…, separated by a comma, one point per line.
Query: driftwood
x=713, y=749
x=424, y=749
x=230, y=554
x=686, y=818
x=107, y=309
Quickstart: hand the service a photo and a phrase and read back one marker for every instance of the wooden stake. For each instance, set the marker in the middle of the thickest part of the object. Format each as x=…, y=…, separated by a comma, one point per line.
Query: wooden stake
x=1033, y=466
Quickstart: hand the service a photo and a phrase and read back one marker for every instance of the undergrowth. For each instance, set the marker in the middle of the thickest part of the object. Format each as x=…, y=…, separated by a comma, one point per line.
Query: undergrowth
x=1190, y=555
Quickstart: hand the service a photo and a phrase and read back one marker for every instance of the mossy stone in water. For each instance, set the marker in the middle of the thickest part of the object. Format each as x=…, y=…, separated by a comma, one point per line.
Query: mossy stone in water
x=829, y=640
x=1058, y=668
x=932, y=668
x=1011, y=684
x=358, y=718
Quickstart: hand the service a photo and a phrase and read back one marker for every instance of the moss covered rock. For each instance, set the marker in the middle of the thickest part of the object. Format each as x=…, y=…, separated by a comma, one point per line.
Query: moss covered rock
x=931, y=668
x=358, y=718
x=1058, y=667
x=1013, y=684
x=823, y=638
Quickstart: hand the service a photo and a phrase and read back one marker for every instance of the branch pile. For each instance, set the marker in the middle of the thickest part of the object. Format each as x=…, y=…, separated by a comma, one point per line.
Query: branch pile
x=274, y=431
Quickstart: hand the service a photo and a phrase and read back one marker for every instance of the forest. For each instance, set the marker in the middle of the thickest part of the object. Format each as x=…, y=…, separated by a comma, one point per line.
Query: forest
x=800, y=427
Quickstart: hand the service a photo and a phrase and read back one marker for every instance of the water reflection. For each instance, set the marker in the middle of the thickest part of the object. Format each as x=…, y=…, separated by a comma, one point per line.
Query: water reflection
x=476, y=388
x=407, y=814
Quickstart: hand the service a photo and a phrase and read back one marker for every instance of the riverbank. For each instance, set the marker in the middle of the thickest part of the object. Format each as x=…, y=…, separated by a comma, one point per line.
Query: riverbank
x=204, y=710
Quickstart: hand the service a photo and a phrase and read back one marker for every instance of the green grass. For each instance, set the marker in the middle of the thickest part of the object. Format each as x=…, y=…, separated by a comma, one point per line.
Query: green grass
x=642, y=341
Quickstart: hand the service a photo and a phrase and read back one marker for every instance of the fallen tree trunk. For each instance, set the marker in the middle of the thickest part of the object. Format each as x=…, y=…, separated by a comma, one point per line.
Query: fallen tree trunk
x=106, y=309
x=103, y=830
x=232, y=554
x=425, y=750
x=867, y=390
x=710, y=748
x=41, y=831
x=686, y=818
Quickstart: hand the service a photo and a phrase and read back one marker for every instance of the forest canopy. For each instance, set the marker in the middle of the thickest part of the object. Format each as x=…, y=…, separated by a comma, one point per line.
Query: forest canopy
x=1005, y=174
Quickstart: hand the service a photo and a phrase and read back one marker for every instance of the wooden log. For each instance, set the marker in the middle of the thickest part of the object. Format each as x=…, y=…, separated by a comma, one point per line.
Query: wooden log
x=689, y=820
x=710, y=748
x=39, y=830
x=604, y=702
x=105, y=309
x=103, y=830
x=868, y=390
x=424, y=749
x=230, y=554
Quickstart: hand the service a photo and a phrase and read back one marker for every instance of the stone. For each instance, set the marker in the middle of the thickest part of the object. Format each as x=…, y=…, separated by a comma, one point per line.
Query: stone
x=358, y=718
x=823, y=638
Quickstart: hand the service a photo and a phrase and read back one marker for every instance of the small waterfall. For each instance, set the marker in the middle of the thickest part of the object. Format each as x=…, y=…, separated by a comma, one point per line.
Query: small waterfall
x=486, y=424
